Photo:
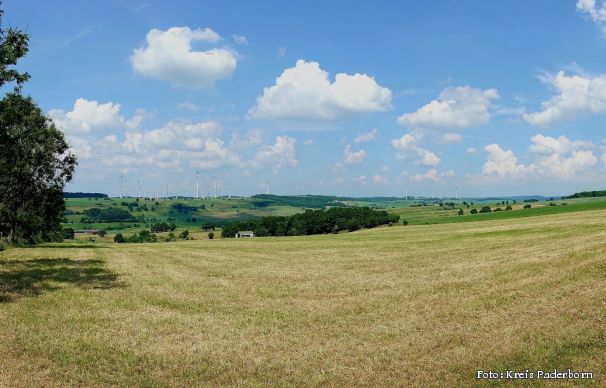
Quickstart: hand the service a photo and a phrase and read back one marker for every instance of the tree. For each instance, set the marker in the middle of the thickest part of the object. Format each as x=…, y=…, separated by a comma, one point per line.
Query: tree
x=211, y=235
x=102, y=233
x=119, y=238
x=35, y=160
x=184, y=235
x=68, y=234
x=461, y=212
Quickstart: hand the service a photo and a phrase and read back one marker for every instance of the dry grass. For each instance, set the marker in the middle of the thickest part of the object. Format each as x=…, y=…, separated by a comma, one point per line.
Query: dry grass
x=423, y=305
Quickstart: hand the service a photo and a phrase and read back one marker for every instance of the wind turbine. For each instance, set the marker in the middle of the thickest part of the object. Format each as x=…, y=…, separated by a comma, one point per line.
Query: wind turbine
x=197, y=184
x=122, y=183
x=267, y=186
x=215, y=179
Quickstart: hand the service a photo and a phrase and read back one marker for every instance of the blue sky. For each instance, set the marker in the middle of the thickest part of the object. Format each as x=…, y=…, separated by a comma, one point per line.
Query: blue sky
x=364, y=98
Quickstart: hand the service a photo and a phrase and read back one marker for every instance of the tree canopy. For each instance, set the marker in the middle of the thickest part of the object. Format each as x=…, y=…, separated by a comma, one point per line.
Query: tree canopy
x=34, y=156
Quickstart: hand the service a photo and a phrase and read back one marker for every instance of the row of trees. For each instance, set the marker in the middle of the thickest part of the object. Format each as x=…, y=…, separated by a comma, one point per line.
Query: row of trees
x=314, y=222
x=35, y=160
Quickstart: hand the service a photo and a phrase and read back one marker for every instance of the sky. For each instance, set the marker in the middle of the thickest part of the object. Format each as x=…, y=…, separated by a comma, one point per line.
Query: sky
x=365, y=98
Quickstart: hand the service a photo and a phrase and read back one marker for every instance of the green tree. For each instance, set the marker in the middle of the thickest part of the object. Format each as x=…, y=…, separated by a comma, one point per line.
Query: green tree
x=35, y=160
x=119, y=238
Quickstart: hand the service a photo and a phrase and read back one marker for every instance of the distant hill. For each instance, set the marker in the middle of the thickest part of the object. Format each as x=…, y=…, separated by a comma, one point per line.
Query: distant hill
x=304, y=201
x=84, y=195
x=587, y=194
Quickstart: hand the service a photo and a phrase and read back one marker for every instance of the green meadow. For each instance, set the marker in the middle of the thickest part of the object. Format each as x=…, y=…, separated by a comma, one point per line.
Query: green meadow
x=427, y=305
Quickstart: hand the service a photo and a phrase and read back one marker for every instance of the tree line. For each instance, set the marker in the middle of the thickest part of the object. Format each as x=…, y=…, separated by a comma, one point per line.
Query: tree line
x=311, y=222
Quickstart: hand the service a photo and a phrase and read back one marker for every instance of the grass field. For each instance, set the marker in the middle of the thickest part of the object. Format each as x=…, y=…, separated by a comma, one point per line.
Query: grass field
x=425, y=305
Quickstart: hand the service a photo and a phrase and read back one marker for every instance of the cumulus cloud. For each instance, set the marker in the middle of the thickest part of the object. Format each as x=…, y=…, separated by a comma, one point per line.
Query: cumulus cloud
x=305, y=92
x=596, y=13
x=471, y=151
x=249, y=139
x=281, y=154
x=174, y=145
x=431, y=175
x=168, y=56
x=367, y=136
x=360, y=180
x=455, y=108
x=576, y=95
x=450, y=137
x=88, y=115
x=350, y=157
x=559, y=158
x=407, y=147
x=379, y=180
x=188, y=106
x=239, y=39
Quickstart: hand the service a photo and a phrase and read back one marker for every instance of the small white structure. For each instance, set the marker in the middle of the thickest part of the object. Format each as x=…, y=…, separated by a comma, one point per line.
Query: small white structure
x=245, y=233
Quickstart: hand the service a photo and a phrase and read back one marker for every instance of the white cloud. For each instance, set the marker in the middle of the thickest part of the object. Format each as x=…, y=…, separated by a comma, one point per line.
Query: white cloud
x=455, y=108
x=596, y=14
x=350, y=157
x=360, y=180
x=88, y=115
x=367, y=136
x=239, y=39
x=188, y=106
x=576, y=95
x=379, y=180
x=502, y=163
x=558, y=158
x=280, y=154
x=168, y=56
x=407, y=147
x=471, y=151
x=304, y=92
x=308, y=142
x=430, y=175
x=450, y=137
x=251, y=138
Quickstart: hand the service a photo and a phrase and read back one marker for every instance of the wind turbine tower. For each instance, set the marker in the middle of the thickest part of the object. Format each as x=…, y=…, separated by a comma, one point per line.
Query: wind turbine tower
x=122, y=184
x=197, y=184
x=267, y=186
x=139, y=182
x=215, y=179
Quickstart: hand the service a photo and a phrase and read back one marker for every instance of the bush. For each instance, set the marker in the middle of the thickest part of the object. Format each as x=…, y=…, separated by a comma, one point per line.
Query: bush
x=102, y=233
x=2, y=246
x=552, y=204
x=485, y=209
x=184, y=235
x=404, y=222
x=211, y=235
x=508, y=207
x=171, y=237
x=160, y=227
x=498, y=209
x=68, y=234
x=461, y=212
x=474, y=211
x=527, y=206
x=119, y=238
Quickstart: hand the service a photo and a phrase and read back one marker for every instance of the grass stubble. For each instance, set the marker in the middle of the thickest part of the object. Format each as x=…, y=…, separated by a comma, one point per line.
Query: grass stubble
x=417, y=305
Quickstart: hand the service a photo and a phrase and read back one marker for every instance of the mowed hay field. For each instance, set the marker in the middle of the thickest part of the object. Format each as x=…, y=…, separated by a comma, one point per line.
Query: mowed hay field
x=418, y=305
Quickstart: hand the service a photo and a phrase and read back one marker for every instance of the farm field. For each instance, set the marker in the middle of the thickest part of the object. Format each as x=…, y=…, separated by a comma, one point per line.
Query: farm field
x=423, y=304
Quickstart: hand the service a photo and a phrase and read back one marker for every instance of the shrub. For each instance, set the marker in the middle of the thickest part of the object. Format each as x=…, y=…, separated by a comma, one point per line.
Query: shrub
x=184, y=235
x=171, y=237
x=2, y=246
x=498, y=209
x=211, y=235
x=160, y=227
x=485, y=209
x=68, y=234
x=474, y=211
x=404, y=222
x=552, y=204
x=119, y=238
x=508, y=207
x=527, y=206
x=102, y=233
x=461, y=212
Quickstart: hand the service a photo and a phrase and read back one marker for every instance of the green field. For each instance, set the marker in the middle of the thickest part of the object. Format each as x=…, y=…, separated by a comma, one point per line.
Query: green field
x=422, y=304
